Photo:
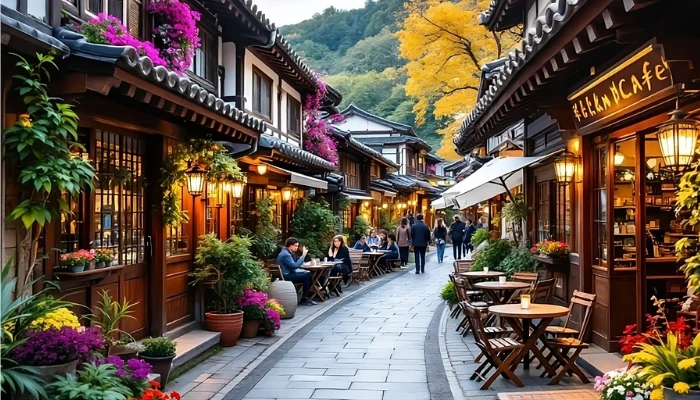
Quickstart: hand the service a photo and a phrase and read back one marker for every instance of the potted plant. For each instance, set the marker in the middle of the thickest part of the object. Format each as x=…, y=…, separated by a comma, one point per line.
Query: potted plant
x=449, y=294
x=92, y=382
x=274, y=312
x=110, y=313
x=623, y=384
x=518, y=260
x=236, y=270
x=159, y=352
x=103, y=258
x=252, y=303
x=132, y=373
x=551, y=249
x=514, y=213
x=492, y=255
x=154, y=393
x=71, y=262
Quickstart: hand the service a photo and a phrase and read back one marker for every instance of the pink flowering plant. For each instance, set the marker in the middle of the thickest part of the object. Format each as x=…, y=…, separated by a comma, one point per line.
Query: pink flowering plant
x=257, y=305
x=59, y=346
x=318, y=131
x=80, y=257
x=623, y=384
x=132, y=373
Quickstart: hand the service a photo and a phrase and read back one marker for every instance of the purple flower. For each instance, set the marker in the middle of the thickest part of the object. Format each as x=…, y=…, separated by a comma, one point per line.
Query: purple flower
x=53, y=346
x=139, y=369
x=252, y=298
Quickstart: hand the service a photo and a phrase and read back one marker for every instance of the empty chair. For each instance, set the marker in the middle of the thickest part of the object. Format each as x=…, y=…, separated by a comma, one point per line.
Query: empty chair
x=360, y=267
x=526, y=277
x=544, y=291
x=462, y=266
x=499, y=352
x=463, y=296
x=582, y=302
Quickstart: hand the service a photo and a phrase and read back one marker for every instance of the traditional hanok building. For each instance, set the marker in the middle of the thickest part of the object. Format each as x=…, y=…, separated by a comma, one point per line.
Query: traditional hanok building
x=416, y=179
x=608, y=92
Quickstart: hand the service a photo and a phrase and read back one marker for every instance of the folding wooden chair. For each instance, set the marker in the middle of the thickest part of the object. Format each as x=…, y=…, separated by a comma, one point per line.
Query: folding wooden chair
x=462, y=266
x=561, y=346
x=463, y=297
x=333, y=284
x=582, y=301
x=526, y=277
x=356, y=259
x=499, y=352
x=544, y=291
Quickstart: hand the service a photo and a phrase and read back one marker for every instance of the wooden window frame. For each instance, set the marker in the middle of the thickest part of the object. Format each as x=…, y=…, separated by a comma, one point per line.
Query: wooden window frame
x=80, y=13
x=256, y=107
x=208, y=81
x=293, y=103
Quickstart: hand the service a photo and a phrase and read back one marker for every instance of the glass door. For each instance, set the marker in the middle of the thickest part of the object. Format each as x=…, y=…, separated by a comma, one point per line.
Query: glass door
x=600, y=199
x=625, y=209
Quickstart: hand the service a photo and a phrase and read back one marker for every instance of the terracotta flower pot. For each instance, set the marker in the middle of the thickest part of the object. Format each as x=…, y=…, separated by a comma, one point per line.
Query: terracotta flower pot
x=229, y=325
x=49, y=373
x=250, y=328
x=669, y=394
x=162, y=366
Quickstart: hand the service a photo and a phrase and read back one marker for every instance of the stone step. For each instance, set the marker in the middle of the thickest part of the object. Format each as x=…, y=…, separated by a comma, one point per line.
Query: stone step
x=192, y=344
x=597, y=361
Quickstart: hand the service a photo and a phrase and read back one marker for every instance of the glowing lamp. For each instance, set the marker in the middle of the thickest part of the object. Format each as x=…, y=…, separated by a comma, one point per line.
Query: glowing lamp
x=677, y=139
x=618, y=158
x=365, y=204
x=196, y=177
x=385, y=206
x=237, y=189
x=565, y=168
x=262, y=168
x=286, y=194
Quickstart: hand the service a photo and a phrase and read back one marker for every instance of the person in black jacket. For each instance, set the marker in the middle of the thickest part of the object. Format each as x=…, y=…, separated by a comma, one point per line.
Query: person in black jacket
x=420, y=234
x=456, y=233
x=440, y=238
x=469, y=230
x=339, y=251
x=392, y=253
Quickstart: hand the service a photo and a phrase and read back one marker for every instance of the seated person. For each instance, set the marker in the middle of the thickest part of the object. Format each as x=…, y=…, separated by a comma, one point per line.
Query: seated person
x=339, y=251
x=383, y=243
x=362, y=244
x=392, y=254
x=373, y=240
x=291, y=265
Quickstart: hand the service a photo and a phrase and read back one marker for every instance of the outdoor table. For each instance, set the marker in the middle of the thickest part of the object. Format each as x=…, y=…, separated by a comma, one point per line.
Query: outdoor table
x=317, y=271
x=512, y=313
x=500, y=292
x=481, y=274
x=374, y=257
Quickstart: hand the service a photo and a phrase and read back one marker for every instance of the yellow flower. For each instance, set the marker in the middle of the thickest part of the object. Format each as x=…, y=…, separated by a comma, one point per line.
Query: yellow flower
x=656, y=381
x=681, y=387
x=687, y=363
x=25, y=120
x=56, y=320
x=657, y=394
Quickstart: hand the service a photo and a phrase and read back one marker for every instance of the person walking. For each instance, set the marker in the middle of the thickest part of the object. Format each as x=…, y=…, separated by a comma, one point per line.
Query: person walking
x=403, y=239
x=440, y=238
x=469, y=230
x=410, y=219
x=456, y=233
x=420, y=233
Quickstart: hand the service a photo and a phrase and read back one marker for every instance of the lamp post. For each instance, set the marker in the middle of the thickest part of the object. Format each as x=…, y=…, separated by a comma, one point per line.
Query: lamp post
x=677, y=139
x=565, y=168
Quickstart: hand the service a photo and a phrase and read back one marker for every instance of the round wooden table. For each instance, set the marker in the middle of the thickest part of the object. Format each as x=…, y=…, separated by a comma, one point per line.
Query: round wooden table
x=514, y=314
x=481, y=274
x=374, y=257
x=500, y=292
x=317, y=272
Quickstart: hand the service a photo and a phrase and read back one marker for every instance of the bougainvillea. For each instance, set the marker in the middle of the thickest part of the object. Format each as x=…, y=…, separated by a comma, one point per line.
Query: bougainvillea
x=175, y=32
x=318, y=131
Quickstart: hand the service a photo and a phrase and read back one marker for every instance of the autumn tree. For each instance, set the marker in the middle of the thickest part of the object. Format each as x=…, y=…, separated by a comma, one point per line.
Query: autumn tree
x=445, y=48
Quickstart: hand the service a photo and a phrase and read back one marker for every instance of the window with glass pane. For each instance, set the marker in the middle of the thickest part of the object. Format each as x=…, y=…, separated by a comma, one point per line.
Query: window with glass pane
x=600, y=207
x=293, y=116
x=134, y=18
x=544, y=210
x=563, y=218
x=177, y=237
x=115, y=8
x=95, y=6
x=13, y=4
x=262, y=94
x=38, y=9
x=119, y=196
x=202, y=62
x=351, y=169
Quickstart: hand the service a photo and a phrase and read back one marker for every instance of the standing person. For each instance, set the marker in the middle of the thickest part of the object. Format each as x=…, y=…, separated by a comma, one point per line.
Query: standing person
x=291, y=267
x=410, y=219
x=469, y=230
x=456, y=233
x=339, y=251
x=440, y=238
x=421, y=237
x=373, y=240
x=403, y=239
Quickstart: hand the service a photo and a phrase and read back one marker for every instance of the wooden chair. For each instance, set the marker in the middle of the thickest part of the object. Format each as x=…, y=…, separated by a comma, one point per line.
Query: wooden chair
x=544, y=291
x=333, y=284
x=584, y=302
x=499, y=352
x=526, y=277
x=275, y=272
x=561, y=346
x=462, y=266
x=463, y=297
x=360, y=269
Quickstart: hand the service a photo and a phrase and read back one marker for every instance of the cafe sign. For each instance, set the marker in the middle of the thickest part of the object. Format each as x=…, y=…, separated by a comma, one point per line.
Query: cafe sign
x=623, y=88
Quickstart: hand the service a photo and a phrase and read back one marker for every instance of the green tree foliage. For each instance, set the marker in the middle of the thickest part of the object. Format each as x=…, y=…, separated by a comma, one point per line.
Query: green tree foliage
x=360, y=227
x=374, y=53
x=520, y=260
x=492, y=255
x=313, y=224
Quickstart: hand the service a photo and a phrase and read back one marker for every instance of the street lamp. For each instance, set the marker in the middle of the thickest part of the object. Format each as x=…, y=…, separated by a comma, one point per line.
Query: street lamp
x=196, y=177
x=677, y=139
x=565, y=168
x=221, y=194
x=385, y=206
x=286, y=194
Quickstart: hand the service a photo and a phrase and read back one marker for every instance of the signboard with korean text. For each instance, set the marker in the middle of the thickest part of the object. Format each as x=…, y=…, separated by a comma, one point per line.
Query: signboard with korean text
x=623, y=88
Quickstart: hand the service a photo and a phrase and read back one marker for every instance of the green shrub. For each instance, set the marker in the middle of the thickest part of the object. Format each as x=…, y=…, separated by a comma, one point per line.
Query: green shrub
x=479, y=236
x=492, y=255
x=266, y=233
x=385, y=221
x=313, y=225
x=518, y=261
x=360, y=227
x=92, y=382
x=158, y=347
x=449, y=293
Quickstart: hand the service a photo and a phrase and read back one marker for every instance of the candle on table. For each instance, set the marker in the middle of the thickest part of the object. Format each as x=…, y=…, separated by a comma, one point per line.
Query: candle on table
x=525, y=301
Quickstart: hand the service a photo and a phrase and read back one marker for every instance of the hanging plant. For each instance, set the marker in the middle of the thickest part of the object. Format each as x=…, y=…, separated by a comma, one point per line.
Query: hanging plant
x=175, y=32
x=208, y=155
x=318, y=132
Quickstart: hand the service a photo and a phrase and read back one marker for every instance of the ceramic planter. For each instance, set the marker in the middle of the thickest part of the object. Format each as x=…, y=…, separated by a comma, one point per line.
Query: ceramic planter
x=99, y=265
x=669, y=394
x=162, y=366
x=229, y=325
x=250, y=328
x=49, y=373
x=76, y=268
x=286, y=294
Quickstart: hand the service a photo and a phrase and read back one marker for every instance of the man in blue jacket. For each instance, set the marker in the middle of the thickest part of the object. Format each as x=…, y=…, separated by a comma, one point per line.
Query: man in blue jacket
x=291, y=267
x=420, y=233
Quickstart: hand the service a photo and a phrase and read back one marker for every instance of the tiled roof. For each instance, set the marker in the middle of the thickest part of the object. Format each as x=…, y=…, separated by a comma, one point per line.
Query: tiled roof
x=128, y=58
x=346, y=137
x=546, y=26
x=353, y=109
x=294, y=153
x=408, y=183
x=377, y=141
x=12, y=21
x=502, y=14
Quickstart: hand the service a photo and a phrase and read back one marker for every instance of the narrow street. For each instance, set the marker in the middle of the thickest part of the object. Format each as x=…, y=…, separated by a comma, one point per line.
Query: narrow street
x=375, y=346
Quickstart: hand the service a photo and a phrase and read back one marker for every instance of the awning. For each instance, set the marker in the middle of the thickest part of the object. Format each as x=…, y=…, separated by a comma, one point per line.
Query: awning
x=296, y=178
x=438, y=204
x=352, y=196
x=495, y=177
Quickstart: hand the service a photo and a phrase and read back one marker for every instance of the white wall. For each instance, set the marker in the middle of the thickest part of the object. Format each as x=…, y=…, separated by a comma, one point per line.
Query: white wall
x=357, y=124
x=228, y=60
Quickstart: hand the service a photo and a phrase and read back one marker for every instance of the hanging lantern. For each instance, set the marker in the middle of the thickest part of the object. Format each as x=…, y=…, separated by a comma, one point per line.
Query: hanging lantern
x=618, y=158
x=262, y=168
x=677, y=139
x=365, y=204
x=565, y=168
x=385, y=206
x=286, y=194
x=237, y=189
x=196, y=177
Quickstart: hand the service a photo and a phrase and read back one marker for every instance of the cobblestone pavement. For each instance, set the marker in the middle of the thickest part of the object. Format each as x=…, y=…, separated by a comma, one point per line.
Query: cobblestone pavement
x=371, y=347
x=459, y=363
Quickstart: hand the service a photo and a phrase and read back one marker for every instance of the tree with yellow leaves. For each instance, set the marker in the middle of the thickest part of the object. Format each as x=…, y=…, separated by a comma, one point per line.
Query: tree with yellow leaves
x=446, y=47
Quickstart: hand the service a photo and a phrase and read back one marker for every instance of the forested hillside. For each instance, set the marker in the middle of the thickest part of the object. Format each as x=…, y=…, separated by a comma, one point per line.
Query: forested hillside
x=359, y=52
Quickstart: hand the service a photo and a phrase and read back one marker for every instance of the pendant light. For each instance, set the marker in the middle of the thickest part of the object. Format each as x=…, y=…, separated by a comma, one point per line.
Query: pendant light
x=196, y=177
x=677, y=139
x=286, y=194
x=618, y=158
x=262, y=168
x=565, y=167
